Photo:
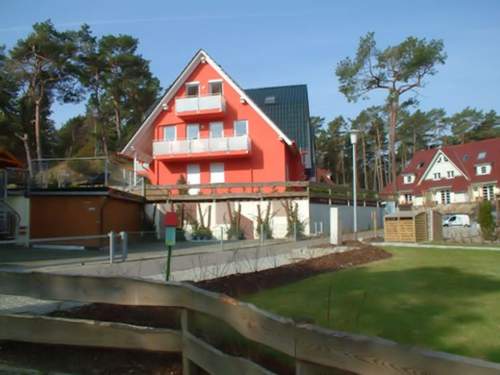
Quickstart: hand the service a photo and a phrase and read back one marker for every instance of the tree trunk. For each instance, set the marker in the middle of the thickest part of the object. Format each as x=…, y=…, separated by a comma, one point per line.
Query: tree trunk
x=117, y=119
x=37, y=129
x=365, y=172
x=381, y=162
x=24, y=139
x=393, y=119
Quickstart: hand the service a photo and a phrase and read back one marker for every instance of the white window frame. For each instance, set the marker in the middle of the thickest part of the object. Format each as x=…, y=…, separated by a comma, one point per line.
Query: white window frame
x=240, y=121
x=490, y=192
x=164, y=128
x=437, y=176
x=215, y=81
x=187, y=130
x=212, y=173
x=408, y=198
x=193, y=83
x=450, y=174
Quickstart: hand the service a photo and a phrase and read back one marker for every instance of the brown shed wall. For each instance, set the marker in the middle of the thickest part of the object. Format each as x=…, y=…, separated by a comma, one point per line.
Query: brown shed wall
x=76, y=215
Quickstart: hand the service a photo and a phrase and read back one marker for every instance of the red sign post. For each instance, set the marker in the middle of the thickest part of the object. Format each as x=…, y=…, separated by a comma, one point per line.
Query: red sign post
x=170, y=222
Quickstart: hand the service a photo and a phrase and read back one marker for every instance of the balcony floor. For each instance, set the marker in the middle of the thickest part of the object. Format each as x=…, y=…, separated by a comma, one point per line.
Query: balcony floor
x=204, y=155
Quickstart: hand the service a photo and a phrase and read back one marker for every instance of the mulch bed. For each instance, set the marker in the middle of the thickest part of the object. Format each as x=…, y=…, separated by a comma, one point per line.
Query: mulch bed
x=248, y=283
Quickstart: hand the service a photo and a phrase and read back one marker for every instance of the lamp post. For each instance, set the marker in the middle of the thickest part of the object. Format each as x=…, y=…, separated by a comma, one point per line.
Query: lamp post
x=354, y=140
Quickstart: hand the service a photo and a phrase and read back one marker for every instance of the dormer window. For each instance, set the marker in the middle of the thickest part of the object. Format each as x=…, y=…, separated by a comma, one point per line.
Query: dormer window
x=483, y=169
x=192, y=89
x=437, y=176
x=408, y=178
x=420, y=165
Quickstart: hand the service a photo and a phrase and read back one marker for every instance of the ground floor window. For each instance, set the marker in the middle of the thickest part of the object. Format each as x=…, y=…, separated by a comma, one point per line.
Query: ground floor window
x=408, y=198
x=445, y=196
x=488, y=192
x=216, y=173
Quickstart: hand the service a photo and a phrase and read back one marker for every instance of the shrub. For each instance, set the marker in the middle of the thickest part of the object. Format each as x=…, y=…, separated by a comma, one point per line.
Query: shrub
x=234, y=231
x=486, y=220
x=295, y=226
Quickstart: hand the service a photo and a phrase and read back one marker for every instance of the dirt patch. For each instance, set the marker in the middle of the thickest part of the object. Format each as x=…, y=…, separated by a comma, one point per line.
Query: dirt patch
x=81, y=360
x=248, y=283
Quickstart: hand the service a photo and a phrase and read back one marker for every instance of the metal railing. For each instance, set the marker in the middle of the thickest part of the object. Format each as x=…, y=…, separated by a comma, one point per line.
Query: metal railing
x=193, y=146
x=200, y=103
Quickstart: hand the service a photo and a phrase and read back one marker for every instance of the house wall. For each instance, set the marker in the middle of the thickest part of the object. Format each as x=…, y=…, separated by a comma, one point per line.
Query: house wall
x=268, y=154
x=443, y=167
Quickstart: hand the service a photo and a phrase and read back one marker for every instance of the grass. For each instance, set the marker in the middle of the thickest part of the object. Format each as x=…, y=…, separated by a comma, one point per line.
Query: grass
x=433, y=298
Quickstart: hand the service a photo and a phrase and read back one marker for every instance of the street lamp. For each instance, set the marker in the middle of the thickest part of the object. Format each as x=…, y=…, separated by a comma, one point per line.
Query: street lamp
x=354, y=140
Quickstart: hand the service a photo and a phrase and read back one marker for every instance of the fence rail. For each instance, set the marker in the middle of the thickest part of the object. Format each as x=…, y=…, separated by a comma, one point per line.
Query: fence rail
x=309, y=345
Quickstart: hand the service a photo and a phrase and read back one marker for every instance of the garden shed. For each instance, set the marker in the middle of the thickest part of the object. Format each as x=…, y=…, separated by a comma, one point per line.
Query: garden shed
x=406, y=226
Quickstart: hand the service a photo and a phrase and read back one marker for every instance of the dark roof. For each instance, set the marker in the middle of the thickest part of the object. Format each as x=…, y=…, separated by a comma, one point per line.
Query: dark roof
x=289, y=111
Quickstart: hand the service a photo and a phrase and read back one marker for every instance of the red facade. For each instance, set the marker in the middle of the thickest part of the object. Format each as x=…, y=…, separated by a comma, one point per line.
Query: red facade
x=206, y=130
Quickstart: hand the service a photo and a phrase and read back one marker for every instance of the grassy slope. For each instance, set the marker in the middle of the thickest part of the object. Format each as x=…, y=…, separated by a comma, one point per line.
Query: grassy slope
x=444, y=300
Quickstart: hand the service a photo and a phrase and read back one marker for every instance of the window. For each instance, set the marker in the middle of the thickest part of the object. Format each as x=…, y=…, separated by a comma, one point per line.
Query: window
x=483, y=169
x=445, y=158
x=420, y=165
x=439, y=159
x=488, y=192
x=408, y=179
x=216, y=173
x=215, y=87
x=450, y=174
x=466, y=157
x=445, y=196
x=481, y=155
x=437, y=176
x=192, y=89
x=270, y=100
x=240, y=128
x=169, y=133
x=408, y=198
x=193, y=131
x=216, y=130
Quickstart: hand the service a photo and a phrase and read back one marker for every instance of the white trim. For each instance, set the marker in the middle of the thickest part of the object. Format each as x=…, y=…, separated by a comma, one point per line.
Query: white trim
x=192, y=83
x=188, y=70
x=433, y=161
x=215, y=80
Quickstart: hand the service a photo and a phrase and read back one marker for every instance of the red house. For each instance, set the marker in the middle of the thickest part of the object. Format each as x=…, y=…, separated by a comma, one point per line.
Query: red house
x=207, y=129
x=450, y=174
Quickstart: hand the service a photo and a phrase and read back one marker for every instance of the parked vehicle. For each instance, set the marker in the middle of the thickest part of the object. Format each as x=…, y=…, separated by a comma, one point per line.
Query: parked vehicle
x=459, y=220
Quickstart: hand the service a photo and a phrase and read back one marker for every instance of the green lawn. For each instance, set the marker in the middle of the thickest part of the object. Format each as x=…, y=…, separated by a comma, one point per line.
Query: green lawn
x=433, y=298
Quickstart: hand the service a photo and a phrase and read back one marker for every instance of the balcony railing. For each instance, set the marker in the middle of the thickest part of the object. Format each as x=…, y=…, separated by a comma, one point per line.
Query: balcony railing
x=200, y=104
x=203, y=145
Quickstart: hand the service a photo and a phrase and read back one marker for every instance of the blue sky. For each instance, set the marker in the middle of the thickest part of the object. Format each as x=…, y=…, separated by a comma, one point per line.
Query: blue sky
x=266, y=43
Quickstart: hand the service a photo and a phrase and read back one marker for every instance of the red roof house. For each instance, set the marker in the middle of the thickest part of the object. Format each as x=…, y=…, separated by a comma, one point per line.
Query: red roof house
x=207, y=129
x=450, y=174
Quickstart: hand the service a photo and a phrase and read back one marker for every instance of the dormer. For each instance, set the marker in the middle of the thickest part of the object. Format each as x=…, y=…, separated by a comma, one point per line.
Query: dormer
x=482, y=169
x=441, y=167
x=408, y=178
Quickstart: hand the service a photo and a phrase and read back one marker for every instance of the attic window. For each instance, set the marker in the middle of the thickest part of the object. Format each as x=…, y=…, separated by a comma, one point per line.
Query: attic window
x=466, y=157
x=420, y=165
x=481, y=155
x=270, y=100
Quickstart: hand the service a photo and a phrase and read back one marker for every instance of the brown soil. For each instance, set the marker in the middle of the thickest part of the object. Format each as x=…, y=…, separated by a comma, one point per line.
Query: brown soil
x=81, y=360
x=248, y=283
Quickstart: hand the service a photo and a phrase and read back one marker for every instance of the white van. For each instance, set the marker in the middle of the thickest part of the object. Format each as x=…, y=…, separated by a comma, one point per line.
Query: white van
x=459, y=220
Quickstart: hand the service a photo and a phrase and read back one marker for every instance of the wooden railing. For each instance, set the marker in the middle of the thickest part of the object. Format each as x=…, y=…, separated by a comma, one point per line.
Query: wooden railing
x=315, y=350
x=284, y=189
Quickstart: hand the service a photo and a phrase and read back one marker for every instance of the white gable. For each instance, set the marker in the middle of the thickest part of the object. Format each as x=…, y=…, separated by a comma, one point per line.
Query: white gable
x=441, y=167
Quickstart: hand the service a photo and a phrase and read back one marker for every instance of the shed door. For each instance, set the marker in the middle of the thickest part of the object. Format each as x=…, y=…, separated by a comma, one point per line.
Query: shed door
x=193, y=177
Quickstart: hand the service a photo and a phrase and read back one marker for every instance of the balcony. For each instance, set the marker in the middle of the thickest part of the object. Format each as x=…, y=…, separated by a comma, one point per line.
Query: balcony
x=196, y=106
x=204, y=148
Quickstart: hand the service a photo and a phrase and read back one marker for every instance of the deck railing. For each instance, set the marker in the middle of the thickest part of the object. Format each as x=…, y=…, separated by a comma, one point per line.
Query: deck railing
x=313, y=349
x=201, y=145
x=200, y=103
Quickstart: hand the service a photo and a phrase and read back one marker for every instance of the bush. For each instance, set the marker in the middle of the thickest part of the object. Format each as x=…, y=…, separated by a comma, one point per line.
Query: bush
x=486, y=220
x=202, y=233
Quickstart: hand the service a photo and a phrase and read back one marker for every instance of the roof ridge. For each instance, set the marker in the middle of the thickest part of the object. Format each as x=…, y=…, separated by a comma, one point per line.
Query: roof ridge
x=277, y=87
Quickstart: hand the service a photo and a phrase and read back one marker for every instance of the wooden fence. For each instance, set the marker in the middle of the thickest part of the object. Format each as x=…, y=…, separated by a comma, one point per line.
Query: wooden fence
x=314, y=349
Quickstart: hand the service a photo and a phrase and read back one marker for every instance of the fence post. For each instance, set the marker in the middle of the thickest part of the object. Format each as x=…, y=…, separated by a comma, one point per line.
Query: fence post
x=295, y=230
x=124, y=238
x=261, y=233
x=111, y=236
x=321, y=227
x=187, y=365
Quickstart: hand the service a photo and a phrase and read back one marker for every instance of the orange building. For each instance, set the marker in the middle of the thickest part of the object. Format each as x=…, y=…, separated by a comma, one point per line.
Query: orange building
x=206, y=129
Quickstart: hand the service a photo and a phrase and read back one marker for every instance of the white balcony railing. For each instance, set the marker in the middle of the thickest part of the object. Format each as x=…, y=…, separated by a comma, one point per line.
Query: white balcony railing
x=195, y=146
x=200, y=103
